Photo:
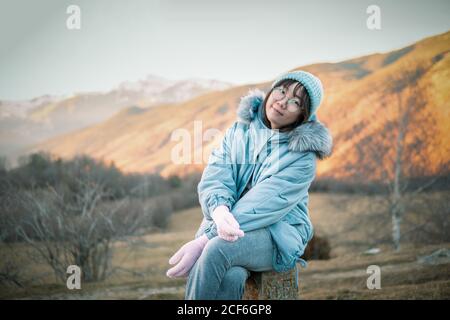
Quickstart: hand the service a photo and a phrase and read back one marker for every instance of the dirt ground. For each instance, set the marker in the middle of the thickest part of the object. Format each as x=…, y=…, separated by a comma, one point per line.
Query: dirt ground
x=141, y=268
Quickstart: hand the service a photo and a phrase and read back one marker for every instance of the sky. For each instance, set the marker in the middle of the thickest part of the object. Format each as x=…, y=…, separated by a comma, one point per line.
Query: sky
x=238, y=41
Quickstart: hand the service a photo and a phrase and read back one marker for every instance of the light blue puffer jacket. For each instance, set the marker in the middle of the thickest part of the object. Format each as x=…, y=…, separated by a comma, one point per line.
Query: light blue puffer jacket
x=279, y=168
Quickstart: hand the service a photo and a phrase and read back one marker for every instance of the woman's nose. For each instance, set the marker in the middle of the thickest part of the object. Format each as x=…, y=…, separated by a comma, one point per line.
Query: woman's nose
x=282, y=103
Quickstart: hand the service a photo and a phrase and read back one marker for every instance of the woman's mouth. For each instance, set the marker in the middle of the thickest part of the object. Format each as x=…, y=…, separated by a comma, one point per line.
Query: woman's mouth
x=277, y=111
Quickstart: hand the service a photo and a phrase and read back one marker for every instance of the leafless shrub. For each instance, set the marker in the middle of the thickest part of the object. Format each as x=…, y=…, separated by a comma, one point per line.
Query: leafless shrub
x=74, y=212
x=78, y=232
x=428, y=219
x=11, y=272
x=318, y=248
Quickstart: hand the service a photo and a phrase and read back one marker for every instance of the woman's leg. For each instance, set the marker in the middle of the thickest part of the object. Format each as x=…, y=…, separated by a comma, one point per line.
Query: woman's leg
x=253, y=251
x=233, y=284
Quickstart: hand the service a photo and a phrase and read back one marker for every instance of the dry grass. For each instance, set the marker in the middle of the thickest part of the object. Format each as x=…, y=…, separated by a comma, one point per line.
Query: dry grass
x=342, y=277
x=402, y=277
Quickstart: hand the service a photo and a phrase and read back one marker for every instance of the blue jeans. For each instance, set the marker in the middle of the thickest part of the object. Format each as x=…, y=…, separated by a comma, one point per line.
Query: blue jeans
x=223, y=267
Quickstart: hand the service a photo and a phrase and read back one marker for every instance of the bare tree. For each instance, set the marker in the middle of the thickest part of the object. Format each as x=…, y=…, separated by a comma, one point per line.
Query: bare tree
x=396, y=154
x=10, y=270
x=77, y=217
x=79, y=231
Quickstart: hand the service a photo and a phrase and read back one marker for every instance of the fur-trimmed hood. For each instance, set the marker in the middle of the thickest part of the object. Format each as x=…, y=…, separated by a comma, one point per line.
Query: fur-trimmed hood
x=309, y=136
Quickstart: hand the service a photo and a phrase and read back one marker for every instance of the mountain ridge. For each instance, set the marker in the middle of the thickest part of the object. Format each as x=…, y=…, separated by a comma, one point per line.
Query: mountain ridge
x=360, y=103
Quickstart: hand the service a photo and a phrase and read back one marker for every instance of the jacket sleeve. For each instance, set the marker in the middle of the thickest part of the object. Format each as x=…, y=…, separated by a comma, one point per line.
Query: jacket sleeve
x=217, y=185
x=271, y=199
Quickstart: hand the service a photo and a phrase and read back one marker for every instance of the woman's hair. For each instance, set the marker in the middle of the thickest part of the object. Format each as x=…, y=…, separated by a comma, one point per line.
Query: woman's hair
x=299, y=92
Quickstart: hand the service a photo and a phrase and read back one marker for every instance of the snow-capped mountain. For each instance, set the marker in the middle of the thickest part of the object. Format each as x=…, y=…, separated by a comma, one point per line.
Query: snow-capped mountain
x=24, y=123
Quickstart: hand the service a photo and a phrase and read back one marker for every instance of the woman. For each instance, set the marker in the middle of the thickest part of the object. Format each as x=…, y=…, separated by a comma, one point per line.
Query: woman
x=254, y=191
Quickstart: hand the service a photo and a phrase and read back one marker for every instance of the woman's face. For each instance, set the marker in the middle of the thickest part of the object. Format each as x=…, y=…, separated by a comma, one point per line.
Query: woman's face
x=282, y=108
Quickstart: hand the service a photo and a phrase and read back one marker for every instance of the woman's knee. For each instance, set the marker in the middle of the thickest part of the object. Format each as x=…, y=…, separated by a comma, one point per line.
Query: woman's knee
x=236, y=274
x=218, y=249
x=214, y=246
x=233, y=283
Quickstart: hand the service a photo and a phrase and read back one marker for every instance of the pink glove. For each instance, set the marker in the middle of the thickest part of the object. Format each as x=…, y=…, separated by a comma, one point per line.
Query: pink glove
x=227, y=226
x=188, y=254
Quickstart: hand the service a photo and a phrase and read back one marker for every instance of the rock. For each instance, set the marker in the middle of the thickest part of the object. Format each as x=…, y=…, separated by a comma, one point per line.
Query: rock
x=372, y=251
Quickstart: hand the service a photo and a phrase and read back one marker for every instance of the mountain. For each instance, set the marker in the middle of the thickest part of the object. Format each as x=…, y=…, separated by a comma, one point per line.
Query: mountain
x=365, y=99
x=26, y=123
x=16, y=129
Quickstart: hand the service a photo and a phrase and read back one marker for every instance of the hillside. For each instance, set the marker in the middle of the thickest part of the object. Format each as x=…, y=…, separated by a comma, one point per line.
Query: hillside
x=27, y=123
x=365, y=98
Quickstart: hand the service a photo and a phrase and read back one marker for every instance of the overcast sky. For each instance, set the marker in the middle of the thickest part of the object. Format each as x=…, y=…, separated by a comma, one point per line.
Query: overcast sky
x=234, y=40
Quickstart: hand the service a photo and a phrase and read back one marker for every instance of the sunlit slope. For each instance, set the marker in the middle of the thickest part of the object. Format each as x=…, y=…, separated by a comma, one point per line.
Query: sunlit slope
x=361, y=107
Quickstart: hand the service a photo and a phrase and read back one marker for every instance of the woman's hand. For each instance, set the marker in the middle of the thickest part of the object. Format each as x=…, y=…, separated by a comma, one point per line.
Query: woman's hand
x=227, y=226
x=186, y=256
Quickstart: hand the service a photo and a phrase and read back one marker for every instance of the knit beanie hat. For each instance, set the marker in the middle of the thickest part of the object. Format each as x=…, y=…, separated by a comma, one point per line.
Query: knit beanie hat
x=312, y=84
